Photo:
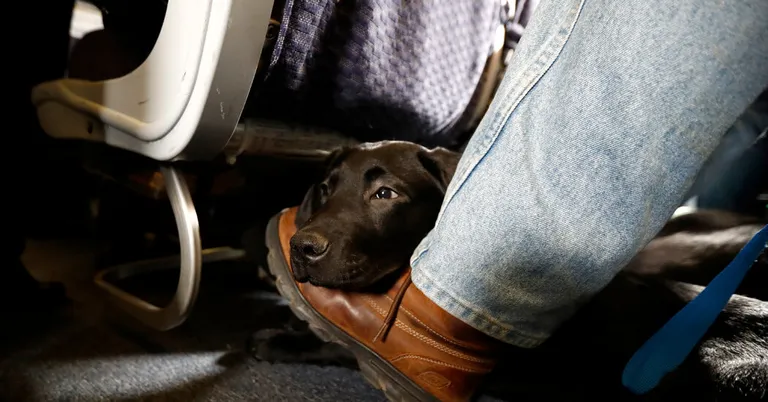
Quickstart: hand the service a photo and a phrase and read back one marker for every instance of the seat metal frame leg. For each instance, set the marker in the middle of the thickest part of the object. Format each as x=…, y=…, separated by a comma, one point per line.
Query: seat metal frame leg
x=189, y=262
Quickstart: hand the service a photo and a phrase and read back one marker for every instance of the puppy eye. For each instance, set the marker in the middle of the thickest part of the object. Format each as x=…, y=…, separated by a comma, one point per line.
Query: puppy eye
x=324, y=190
x=385, y=193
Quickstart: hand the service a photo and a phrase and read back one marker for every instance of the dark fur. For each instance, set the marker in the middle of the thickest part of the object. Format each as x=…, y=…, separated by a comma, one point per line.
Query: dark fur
x=368, y=238
x=585, y=358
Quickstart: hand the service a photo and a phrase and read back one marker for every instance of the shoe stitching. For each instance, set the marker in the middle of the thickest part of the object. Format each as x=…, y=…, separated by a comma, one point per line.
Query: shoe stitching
x=422, y=337
x=413, y=317
x=438, y=362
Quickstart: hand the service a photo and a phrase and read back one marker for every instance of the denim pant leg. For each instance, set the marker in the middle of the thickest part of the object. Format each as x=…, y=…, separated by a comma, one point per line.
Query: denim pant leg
x=607, y=112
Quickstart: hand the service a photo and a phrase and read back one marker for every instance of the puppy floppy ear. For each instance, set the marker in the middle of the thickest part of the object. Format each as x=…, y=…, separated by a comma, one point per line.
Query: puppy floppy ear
x=335, y=157
x=312, y=201
x=308, y=206
x=440, y=163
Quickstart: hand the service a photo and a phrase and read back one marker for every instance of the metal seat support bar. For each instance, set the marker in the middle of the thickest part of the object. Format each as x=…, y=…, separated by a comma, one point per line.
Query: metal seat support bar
x=189, y=261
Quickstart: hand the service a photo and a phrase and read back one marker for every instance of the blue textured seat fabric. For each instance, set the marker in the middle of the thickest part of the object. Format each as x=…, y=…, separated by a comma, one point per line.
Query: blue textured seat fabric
x=378, y=69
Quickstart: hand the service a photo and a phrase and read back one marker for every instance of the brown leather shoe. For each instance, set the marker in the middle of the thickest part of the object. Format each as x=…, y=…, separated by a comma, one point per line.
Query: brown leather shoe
x=405, y=344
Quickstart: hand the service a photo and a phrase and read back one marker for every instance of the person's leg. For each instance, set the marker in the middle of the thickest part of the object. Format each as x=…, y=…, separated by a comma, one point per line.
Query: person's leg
x=734, y=175
x=740, y=183
x=607, y=112
x=738, y=186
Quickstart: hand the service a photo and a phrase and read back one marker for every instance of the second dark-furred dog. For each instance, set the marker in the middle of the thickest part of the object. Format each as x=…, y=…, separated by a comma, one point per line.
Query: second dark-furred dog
x=359, y=225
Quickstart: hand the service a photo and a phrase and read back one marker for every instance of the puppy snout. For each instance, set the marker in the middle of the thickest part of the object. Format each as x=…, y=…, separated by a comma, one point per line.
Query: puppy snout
x=311, y=246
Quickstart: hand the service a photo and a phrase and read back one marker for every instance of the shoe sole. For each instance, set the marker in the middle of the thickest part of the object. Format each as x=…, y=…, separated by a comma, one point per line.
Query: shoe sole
x=377, y=371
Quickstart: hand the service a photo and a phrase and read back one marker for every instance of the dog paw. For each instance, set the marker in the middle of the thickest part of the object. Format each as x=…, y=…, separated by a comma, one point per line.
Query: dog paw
x=261, y=345
x=296, y=346
x=283, y=345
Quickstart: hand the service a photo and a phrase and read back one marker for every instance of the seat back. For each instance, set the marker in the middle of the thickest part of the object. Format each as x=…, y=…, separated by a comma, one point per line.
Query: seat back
x=184, y=101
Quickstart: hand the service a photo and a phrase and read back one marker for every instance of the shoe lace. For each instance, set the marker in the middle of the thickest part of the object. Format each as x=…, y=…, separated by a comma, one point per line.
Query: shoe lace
x=391, y=316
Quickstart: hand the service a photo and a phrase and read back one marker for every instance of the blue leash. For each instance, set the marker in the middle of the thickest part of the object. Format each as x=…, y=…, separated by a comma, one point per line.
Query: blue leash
x=669, y=347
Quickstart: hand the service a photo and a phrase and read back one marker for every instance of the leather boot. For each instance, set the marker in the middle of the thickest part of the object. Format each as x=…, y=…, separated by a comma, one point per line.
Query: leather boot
x=405, y=344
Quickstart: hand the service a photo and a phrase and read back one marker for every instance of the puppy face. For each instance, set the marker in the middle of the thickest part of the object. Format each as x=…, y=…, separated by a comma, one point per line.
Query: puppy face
x=365, y=218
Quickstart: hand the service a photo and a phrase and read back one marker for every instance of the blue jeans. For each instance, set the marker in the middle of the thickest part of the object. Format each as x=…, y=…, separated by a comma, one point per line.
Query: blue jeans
x=606, y=114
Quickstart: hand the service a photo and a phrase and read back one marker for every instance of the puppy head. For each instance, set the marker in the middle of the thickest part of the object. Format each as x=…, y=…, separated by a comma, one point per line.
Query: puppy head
x=365, y=218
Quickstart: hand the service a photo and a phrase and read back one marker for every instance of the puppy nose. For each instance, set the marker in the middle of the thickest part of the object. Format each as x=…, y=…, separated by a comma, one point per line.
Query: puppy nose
x=309, y=245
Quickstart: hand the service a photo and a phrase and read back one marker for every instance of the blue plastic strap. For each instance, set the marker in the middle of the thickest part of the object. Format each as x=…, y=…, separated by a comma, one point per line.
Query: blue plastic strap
x=669, y=347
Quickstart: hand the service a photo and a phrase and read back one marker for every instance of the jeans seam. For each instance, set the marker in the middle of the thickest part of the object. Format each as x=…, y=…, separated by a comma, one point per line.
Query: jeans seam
x=532, y=74
x=552, y=50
